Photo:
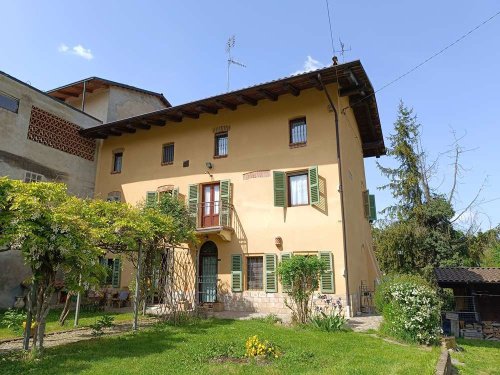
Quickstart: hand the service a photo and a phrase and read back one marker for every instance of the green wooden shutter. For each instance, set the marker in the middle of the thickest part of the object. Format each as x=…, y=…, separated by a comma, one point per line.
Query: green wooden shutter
x=314, y=185
x=327, y=282
x=193, y=201
x=287, y=286
x=225, y=201
x=116, y=273
x=366, y=204
x=373, y=208
x=236, y=273
x=151, y=198
x=279, y=181
x=271, y=279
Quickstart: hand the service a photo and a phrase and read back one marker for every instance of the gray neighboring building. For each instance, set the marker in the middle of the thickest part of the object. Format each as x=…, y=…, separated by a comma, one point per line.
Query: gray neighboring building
x=40, y=141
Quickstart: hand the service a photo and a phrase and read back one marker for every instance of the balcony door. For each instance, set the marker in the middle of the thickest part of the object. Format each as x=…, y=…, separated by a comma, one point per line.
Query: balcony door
x=211, y=205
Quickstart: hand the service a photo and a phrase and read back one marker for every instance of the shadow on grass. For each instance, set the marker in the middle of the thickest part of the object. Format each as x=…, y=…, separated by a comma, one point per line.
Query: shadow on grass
x=77, y=357
x=479, y=343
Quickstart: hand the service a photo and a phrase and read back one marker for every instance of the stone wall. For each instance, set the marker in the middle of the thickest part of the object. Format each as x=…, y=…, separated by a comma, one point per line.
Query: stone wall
x=262, y=302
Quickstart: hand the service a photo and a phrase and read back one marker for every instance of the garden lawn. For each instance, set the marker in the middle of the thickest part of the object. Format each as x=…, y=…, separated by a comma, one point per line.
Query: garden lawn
x=479, y=357
x=194, y=348
x=86, y=318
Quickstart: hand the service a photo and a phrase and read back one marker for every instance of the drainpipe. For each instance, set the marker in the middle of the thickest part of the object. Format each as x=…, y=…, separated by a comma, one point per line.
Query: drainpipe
x=83, y=95
x=341, y=190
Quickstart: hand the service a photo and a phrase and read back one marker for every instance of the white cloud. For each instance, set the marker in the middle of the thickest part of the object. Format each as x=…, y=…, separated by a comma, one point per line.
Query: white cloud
x=63, y=48
x=78, y=50
x=310, y=64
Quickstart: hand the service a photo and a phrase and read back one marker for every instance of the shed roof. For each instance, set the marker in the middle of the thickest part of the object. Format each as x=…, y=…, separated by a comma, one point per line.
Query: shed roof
x=351, y=77
x=93, y=83
x=474, y=275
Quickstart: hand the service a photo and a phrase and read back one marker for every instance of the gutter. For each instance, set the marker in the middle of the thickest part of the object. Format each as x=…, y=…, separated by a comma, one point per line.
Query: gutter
x=341, y=190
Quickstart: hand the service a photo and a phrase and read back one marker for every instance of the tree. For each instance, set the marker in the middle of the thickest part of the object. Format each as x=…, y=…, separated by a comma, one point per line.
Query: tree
x=300, y=274
x=405, y=179
x=420, y=233
x=42, y=222
x=57, y=233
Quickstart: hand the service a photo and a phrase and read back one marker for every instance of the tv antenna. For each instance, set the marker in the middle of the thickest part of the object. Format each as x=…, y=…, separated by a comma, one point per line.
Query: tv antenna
x=230, y=61
x=343, y=50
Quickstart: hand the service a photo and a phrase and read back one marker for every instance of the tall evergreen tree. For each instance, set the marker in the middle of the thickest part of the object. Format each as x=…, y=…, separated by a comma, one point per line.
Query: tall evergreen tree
x=405, y=178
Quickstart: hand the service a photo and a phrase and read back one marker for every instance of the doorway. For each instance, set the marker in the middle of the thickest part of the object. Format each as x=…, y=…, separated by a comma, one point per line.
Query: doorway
x=208, y=272
x=211, y=202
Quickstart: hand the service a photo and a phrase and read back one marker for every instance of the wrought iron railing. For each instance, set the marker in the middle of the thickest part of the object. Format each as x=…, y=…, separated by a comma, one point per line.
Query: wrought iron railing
x=212, y=214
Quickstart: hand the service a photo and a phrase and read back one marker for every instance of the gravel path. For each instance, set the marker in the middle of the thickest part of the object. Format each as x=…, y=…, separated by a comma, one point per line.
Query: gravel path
x=67, y=337
x=364, y=323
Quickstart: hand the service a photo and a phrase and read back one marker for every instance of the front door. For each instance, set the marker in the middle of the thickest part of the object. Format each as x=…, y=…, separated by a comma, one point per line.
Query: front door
x=210, y=212
x=208, y=272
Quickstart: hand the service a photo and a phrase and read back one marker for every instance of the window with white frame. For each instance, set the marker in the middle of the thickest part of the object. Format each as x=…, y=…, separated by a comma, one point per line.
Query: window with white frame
x=33, y=177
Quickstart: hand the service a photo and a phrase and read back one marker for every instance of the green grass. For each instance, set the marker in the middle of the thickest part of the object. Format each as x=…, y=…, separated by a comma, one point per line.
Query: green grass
x=479, y=357
x=86, y=318
x=191, y=348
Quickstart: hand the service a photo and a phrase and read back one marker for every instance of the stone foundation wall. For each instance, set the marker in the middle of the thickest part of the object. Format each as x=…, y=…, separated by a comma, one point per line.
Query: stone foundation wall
x=262, y=302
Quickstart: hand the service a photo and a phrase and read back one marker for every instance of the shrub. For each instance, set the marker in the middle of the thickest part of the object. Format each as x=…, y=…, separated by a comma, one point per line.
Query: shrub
x=301, y=275
x=257, y=348
x=104, y=321
x=14, y=320
x=411, y=309
x=330, y=316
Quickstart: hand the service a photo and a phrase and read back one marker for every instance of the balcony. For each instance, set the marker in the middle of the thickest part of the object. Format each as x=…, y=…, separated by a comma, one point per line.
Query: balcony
x=216, y=217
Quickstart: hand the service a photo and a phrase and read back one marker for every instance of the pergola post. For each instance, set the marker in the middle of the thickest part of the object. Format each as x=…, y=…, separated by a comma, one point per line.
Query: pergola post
x=137, y=287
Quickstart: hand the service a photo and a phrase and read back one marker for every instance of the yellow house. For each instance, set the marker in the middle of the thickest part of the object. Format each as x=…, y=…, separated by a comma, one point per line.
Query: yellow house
x=265, y=178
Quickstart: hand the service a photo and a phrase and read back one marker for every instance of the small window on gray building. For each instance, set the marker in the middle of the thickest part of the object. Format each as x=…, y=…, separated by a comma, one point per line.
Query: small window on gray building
x=9, y=102
x=32, y=177
x=114, y=196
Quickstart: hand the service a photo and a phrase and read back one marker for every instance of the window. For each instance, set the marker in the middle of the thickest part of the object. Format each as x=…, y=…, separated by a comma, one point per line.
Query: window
x=255, y=273
x=221, y=143
x=9, y=103
x=114, y=196
x=298, y=132
x=167, y=154
x=117, y=162
x=32, y=177
x=298, y=190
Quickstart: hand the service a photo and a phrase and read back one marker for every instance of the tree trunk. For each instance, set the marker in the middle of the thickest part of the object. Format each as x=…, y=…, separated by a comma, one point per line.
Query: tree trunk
x=66, y=308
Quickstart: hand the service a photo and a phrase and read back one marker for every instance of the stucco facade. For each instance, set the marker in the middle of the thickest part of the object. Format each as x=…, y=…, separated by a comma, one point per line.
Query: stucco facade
x=258, y=141
x=20, y=155
x=115, y=103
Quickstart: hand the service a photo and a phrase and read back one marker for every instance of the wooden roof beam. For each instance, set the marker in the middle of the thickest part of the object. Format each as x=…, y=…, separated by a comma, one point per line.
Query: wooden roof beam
x=291, y=89
x=114, y=131
x=155, y=122
x=125, y=129
x=315, y=81
x=247, y=100
x=99, y=135
x=174, y=118
x=69, y=93
x=357, y=90
x=268, y=95
x=204, y=108
x=141, y=125
x=225, y=104
x=189, y=114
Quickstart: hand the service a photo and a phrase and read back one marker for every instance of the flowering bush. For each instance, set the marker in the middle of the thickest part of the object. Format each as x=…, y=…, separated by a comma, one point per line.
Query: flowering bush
x=257, y=348
x=329, y=316
x=411, y=310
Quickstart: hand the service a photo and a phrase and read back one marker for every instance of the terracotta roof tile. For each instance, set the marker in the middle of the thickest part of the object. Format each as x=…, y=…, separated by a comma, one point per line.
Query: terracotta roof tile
x=468, y=275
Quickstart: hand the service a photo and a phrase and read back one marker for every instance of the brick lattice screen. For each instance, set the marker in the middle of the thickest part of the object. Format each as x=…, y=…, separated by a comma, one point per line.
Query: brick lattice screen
x=52, y=131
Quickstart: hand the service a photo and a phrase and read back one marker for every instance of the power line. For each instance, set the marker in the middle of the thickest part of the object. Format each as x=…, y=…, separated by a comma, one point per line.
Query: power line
x=425, y=61
x=330, y=23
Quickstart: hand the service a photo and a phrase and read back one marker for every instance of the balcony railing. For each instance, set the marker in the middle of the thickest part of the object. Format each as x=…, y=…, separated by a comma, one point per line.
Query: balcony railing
x=217, y=214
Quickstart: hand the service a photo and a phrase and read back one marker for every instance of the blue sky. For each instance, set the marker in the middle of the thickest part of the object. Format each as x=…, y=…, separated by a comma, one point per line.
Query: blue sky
x=178, y=48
